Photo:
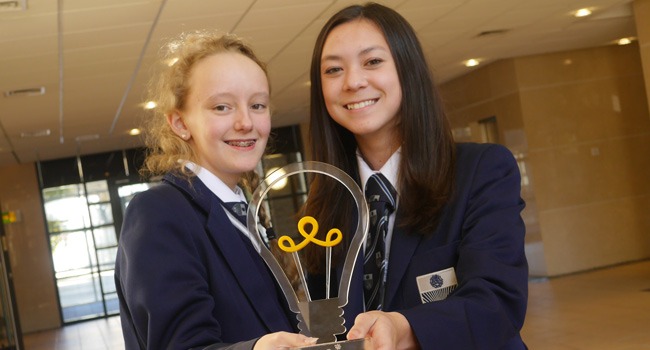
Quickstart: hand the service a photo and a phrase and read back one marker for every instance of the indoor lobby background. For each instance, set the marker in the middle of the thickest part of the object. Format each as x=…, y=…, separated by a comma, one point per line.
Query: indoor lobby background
x=578, y=123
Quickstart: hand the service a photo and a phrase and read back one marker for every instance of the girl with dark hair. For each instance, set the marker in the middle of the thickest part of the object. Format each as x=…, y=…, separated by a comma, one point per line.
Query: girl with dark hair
x=452, y=269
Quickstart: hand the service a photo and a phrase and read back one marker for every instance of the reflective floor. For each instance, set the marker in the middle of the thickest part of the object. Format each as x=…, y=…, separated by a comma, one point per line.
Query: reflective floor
x=102, y=334
x=603, y=309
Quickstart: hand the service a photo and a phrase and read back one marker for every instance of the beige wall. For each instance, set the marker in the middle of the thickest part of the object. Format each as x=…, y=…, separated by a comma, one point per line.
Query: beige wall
x=493, y=91
x=27, y=245
x=588, y=130
x=642, y=19
x=578, y=123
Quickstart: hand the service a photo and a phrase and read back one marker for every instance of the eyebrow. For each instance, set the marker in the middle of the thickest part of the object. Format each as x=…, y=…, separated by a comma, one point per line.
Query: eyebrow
x=227, y=94
x=363, y=52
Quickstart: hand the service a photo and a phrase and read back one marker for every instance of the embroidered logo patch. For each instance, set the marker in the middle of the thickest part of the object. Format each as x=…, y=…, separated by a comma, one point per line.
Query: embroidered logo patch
x=437, y=285
x=436, y=281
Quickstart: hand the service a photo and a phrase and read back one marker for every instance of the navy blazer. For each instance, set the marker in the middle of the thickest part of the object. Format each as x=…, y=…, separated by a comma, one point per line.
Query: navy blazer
x=187, y=278
x=480, y=234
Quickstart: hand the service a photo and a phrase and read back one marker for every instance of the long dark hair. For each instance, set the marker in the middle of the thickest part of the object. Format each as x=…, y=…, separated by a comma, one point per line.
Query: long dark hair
x=426, y=175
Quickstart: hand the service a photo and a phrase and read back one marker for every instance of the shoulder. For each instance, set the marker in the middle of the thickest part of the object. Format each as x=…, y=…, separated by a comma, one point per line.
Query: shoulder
x=162, y=202
x=160, y=195
x=481, y=163
x=482, y=155
x=169, y=192
x=477, y=152
x=162, y=214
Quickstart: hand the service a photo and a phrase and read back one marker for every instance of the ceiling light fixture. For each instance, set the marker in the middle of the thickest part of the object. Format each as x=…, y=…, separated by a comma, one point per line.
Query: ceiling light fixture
x=37, y=133
x=624, y=41
x=37, y=91
x=134, y=132
x=89, y=137
x=472, y=62
x=150, y=105
x=13, y=5
x=273, y=174
x=584, y=12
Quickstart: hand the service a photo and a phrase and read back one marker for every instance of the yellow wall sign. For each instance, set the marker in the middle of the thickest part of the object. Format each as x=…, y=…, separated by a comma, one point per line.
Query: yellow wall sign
x=9, y=217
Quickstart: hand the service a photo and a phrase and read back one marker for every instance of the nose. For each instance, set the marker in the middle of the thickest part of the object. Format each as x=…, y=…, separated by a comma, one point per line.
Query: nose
x=243, y=120
x=355, y=79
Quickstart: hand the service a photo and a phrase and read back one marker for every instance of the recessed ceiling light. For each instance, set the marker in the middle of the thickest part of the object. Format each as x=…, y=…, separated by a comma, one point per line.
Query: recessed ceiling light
x=472, y=62
x=624, y=41
x=150, y=105
x=273, y=174
x=134, y=131
x=584, y=12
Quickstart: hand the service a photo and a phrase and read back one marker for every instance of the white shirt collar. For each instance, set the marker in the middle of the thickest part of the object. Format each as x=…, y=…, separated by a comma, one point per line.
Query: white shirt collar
x=214, y=183
x=389, y=170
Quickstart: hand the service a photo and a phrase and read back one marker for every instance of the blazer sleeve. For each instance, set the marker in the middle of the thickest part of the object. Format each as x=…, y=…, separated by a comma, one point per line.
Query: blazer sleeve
x=487, y=309
x=161, y=278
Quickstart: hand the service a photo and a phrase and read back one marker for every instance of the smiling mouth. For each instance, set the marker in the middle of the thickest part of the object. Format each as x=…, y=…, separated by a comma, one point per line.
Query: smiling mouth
x=359, y=105
x=246, y=143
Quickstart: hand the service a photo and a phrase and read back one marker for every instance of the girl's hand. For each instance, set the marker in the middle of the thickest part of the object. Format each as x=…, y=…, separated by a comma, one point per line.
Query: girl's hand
x=385, y=330
x=283, y=340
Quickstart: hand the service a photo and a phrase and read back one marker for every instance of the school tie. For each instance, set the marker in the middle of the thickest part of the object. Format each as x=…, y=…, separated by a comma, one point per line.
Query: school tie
x=380, y=196
x=239, y=209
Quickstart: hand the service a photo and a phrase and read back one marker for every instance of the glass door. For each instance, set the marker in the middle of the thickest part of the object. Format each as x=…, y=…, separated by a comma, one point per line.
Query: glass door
x=83, y=244
x=83, y=231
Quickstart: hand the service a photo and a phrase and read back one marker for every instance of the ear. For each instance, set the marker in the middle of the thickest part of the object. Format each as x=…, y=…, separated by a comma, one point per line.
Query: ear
x=176, y=122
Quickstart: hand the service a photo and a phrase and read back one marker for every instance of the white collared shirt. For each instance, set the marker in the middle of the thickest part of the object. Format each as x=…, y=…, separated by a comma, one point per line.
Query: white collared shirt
x=390, y=171
x=214, y=184
x=226, y=194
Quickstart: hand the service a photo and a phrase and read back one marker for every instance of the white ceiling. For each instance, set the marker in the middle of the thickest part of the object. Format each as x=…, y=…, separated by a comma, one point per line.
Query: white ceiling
x=93, y=57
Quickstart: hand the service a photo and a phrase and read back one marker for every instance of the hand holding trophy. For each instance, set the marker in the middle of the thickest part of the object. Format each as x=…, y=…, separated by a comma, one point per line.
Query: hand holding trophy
x=323, y=318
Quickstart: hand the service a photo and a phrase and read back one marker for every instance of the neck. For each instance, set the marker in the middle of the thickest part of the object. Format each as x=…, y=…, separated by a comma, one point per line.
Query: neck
x=377, y=152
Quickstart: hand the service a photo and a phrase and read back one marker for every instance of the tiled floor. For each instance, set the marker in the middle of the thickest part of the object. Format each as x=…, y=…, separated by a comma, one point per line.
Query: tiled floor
x=103, y=334
x=602, y=309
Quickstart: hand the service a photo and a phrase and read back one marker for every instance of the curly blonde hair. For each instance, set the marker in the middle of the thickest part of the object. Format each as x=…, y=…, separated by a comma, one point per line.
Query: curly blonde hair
x=170, y=89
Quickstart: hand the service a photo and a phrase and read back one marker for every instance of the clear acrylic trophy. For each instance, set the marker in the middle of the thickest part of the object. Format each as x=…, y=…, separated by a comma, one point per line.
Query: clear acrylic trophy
x=322, y=318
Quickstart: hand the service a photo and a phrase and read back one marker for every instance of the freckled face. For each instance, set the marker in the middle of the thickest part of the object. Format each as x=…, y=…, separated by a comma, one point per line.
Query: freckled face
x=361, y=87
x=227, y=114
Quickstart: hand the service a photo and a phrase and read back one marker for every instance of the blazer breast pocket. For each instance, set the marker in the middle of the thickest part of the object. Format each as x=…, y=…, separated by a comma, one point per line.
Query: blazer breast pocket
x=437, y=285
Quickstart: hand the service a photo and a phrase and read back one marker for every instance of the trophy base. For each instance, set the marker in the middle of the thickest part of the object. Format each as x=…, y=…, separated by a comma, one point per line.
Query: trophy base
x=357, y=344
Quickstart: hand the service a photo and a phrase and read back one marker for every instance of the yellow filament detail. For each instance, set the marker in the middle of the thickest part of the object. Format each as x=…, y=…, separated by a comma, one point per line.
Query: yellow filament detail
x=288, y=245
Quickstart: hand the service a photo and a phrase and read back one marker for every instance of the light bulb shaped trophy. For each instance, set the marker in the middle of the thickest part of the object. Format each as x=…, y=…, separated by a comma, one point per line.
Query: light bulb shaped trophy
x=322, y=318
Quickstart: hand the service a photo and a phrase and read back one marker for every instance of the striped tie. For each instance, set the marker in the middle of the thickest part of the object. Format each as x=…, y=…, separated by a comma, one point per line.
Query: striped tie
x=238, y=209
x=380, y=195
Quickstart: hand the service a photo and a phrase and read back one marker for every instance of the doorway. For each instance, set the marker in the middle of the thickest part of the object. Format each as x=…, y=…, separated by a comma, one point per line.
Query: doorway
x=83, y=202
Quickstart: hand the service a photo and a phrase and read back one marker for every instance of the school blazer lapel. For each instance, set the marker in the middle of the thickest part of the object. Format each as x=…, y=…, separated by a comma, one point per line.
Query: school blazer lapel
x=258, y=288
x=402, y=248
